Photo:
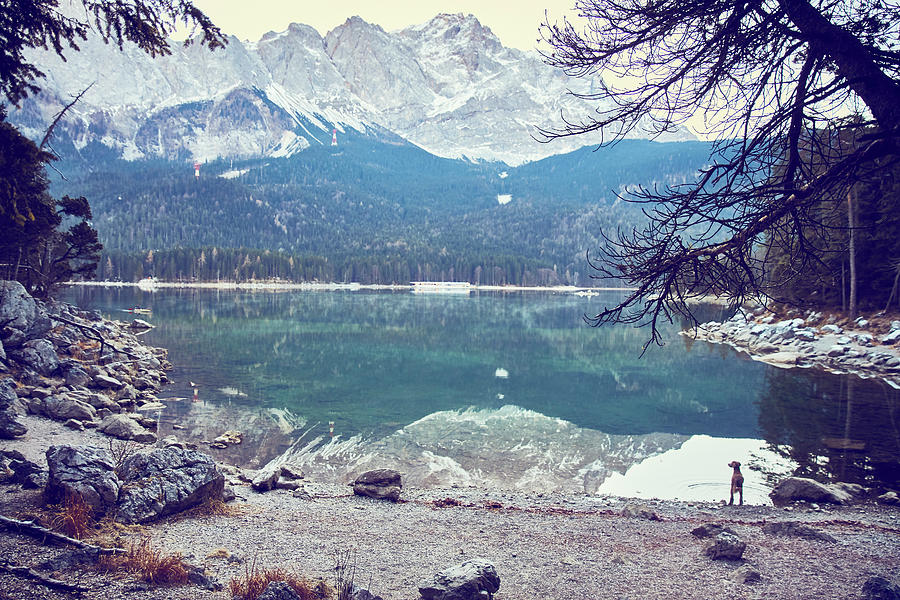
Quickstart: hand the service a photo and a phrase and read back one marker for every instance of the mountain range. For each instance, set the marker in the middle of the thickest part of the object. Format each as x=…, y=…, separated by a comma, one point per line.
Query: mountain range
x=447, y=86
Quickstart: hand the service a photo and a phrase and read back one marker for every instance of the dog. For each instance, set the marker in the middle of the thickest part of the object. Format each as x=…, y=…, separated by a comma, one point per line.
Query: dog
x=737, y=482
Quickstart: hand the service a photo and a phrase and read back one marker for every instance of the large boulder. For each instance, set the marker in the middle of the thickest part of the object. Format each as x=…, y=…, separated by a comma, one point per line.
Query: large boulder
x=17, y=308
x=383, y=484
x=126, y=428
x=166, y=481
x=9, y=409
x=38, y=355
x=63, y=408
x=84, y=470
x=793, y=489
x=472, y=580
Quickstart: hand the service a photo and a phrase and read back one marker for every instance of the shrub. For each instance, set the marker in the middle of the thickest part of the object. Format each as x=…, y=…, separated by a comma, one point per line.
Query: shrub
x=148, y=564
x=73, y=516
x=253, y=583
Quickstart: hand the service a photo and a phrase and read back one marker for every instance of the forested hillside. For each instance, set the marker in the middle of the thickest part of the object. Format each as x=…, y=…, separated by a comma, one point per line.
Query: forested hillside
x=368, y=211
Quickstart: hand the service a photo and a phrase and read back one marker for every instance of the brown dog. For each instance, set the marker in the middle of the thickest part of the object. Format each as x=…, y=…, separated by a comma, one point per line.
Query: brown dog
x=737, y=482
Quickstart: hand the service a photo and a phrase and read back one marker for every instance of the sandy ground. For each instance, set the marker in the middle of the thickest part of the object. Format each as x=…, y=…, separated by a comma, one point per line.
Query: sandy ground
x=544, y=546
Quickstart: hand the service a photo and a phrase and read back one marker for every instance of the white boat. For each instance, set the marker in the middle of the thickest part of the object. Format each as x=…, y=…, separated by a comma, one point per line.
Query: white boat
x=441, y=287
x=148, y=283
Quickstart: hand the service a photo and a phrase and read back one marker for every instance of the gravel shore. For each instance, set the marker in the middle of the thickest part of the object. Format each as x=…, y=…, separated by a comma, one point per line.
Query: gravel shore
x=544, y=546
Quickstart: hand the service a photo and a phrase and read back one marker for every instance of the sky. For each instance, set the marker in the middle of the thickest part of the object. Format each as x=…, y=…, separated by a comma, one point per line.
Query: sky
x=516, y=24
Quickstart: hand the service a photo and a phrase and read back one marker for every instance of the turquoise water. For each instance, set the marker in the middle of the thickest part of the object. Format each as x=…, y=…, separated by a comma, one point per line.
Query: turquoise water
x=373, y=363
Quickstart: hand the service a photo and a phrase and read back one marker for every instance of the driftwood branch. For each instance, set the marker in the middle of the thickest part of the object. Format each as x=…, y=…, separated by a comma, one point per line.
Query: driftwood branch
x=45, y=580
x=97, y=336
x=42, y=533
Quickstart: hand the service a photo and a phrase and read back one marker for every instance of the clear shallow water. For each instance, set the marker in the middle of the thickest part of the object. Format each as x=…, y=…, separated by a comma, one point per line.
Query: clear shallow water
x=504, y=390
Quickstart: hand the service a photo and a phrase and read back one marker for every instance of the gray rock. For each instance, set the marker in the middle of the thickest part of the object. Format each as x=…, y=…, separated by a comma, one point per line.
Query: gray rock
x=879, y=588
x=76, y=376
x=795, y=529
x=383, y=484
x=125, y=428
x=806, y=335
x=726, y=546
x=140, y=325
x=836, y=351
x=63, y=408
x=472, y=580
x=10, y=428
x=832, y=328
x=709, y=530
x=289, y=471
x=889, y=498
x=266, y=479
x=74, y=424
x=284, y=483
x=21, y=467
x=279, y=590
x=639, y=511
x=358, y=593
x=17, y=308
x=166, y=481
x=107, y=382
x=84, y=470
x=801, y=488
x=745, y=574
x=38, y=355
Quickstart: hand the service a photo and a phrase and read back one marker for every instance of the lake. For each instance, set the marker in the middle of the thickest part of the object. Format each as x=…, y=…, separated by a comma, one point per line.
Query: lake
x=498, y=390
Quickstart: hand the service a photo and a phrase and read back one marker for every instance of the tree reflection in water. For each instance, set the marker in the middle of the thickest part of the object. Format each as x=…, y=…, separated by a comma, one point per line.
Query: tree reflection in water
x=839, y=428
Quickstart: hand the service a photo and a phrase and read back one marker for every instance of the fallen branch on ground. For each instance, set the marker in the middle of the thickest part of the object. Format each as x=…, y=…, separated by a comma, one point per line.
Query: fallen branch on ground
x=34, y=530
x=29, y=573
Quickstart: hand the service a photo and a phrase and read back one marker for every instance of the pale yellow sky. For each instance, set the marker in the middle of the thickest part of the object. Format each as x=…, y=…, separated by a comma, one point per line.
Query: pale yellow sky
x=515, y=23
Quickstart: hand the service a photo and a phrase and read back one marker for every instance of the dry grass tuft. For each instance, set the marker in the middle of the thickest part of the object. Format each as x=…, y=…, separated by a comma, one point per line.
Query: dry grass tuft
x=253, y=583
x=148, y=564
x=73, y=516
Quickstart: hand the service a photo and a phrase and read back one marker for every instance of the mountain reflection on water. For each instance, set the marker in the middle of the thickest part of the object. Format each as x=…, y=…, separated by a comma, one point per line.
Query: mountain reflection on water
x=498, y=390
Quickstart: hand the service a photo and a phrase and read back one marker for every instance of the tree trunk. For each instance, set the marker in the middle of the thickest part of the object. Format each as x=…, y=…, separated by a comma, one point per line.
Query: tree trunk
x=854, y=61
x=851, y=225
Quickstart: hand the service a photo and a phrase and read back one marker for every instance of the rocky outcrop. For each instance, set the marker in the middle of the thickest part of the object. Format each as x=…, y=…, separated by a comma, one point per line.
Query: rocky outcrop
x=166, y=481
x=383, y=484
x=71, y=366
x=83, y=470
x=472, y=580
x=804, y=341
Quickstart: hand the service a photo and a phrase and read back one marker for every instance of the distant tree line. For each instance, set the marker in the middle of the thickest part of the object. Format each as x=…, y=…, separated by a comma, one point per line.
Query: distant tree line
x=244, y=265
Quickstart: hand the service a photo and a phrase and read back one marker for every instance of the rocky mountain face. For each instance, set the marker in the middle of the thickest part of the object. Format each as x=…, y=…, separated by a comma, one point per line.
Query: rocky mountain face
x=448, y=86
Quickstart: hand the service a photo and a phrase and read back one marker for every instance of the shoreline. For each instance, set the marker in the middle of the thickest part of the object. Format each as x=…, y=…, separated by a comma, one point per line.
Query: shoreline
x=336, y=287
x=868, y=348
